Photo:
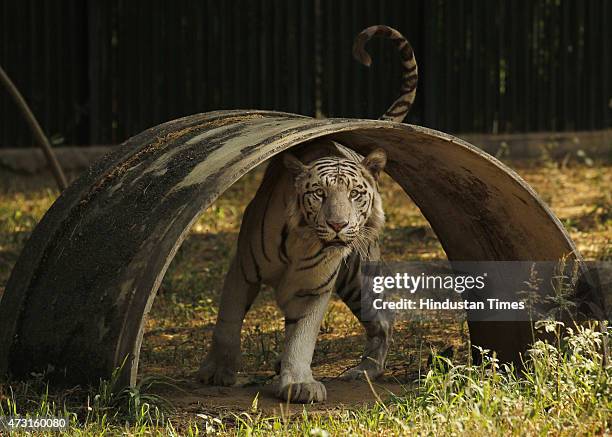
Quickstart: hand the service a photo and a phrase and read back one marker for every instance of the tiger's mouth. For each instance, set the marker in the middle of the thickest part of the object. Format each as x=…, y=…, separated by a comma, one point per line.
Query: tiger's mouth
x=336, y=242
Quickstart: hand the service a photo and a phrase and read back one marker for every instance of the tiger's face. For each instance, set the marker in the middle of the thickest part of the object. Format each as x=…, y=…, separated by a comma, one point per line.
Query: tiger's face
x=337, y=198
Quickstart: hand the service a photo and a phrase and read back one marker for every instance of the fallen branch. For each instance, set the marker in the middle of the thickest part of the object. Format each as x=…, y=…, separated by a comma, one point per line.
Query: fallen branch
x=37, y=131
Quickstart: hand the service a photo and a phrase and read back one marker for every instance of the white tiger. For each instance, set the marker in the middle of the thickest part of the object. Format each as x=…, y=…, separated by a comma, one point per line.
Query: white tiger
x=313, y=221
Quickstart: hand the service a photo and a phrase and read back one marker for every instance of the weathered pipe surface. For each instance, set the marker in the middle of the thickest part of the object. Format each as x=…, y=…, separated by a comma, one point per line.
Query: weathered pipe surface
x=78, y=297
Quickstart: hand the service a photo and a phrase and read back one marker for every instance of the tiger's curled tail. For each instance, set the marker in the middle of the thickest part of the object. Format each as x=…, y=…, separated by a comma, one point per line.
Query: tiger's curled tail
x=400, y=107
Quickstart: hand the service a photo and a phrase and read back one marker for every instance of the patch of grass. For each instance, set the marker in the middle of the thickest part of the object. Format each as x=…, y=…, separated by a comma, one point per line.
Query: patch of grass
x=106, y=409
x=565, y=390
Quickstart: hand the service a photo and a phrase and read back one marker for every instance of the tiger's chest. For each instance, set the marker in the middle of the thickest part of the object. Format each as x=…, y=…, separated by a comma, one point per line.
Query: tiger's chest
x=303, y=262
x=311, y=269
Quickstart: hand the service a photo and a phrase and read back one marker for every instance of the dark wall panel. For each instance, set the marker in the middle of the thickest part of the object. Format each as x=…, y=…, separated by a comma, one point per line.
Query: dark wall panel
x=43, y=48
x=96, y=72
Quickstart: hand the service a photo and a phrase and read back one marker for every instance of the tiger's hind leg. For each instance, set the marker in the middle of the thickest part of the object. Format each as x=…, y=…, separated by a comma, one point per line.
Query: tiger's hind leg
x=378, y=325
x=378, y=339
x=223, y=360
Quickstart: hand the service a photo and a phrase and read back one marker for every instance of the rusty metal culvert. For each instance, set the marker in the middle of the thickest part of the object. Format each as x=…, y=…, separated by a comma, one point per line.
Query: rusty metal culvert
x=79, y=295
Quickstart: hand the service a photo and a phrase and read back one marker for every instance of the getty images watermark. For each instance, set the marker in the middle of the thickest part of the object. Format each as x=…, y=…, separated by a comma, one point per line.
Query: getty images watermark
x=450, y=283
x=499, y=290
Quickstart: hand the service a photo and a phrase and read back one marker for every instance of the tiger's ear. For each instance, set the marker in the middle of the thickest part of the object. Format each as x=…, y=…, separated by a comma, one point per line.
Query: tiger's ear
x=375, y=162
x=293, y=164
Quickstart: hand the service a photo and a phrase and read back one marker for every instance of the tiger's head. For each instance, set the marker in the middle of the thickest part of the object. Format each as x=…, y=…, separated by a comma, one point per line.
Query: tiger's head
x=337, y=200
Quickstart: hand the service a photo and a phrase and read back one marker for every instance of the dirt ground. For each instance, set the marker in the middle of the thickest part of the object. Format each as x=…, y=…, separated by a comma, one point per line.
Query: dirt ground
x=195, y=397
x=179, y=328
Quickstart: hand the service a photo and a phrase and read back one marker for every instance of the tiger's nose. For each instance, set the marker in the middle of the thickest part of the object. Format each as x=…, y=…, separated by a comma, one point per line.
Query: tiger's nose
x=337, y=226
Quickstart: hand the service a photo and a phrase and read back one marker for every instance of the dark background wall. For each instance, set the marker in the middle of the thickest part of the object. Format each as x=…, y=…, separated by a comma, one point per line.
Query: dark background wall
x=96, y=72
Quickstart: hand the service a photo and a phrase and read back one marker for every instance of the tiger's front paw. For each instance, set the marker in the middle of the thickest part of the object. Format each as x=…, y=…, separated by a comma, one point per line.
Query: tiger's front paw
x=303, y=392
x=213, y=373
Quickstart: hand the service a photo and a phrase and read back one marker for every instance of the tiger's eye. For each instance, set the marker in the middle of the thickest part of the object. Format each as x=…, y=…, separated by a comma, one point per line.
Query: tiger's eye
x=354, y=194
x=319, y=192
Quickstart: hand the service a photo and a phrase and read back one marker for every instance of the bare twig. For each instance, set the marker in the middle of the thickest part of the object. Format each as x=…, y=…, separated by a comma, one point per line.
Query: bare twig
x=37, y=131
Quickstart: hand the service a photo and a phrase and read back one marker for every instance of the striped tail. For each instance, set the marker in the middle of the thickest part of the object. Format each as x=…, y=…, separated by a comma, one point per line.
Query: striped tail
x=398, y=110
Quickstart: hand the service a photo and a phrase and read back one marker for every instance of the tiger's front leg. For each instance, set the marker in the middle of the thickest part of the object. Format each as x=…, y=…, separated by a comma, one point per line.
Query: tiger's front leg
x=303, y=317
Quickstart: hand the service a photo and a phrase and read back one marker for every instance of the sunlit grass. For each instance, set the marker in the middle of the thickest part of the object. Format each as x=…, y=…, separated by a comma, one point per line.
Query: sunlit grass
x=565, y=390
